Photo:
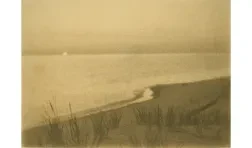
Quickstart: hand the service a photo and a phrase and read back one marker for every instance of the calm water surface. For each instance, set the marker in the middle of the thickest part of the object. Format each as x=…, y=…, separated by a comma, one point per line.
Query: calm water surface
x=88, y=81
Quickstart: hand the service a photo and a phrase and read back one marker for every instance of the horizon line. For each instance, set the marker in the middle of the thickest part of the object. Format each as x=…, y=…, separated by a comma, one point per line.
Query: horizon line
x=115, y=53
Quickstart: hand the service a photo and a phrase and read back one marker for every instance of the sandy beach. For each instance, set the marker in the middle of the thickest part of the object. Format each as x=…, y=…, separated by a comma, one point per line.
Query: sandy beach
x=191, y=96
x=94, y=81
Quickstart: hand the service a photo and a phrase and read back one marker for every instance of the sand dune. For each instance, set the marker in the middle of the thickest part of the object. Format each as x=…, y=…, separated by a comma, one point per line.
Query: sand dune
x=180, y=95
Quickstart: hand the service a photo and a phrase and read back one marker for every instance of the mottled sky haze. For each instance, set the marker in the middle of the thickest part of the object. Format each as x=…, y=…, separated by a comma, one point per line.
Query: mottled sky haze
x=125, y=26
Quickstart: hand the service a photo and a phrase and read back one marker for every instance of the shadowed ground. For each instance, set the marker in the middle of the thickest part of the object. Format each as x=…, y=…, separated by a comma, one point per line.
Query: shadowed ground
x=195, y=114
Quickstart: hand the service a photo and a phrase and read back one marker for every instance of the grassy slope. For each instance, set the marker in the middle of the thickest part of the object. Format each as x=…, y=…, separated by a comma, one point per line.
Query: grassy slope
x=184, y=96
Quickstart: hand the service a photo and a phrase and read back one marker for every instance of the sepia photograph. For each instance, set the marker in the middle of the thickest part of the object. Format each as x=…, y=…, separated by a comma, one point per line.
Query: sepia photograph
x=126, y=73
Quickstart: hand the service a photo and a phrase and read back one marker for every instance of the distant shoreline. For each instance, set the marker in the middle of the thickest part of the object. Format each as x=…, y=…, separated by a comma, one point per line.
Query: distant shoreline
x=157, y=88
x=208, y=101
x=83, y=54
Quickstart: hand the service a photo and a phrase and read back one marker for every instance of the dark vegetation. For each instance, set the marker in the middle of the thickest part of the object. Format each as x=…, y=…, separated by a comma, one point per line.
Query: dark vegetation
x=151, y=125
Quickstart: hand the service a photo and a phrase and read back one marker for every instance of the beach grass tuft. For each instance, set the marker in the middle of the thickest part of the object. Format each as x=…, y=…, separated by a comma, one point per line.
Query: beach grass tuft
x=100, y=128
x=153, y=137
x=54, y=129
x=114, y=119
x=77, y=136
x=149, y=117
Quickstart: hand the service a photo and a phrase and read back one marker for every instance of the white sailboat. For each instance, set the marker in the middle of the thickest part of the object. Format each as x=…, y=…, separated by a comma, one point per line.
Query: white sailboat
x=64, y=53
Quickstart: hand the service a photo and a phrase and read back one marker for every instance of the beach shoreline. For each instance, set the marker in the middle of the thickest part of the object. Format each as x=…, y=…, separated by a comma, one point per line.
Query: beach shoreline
x=138, y=98
x=181, y=95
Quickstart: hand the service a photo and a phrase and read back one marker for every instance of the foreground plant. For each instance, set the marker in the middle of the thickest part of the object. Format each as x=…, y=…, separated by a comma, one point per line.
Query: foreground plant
x=52, y=120
x=100, y=128
x=149, y=117
x=114, y=119
x=152, y=138
x=74, y=128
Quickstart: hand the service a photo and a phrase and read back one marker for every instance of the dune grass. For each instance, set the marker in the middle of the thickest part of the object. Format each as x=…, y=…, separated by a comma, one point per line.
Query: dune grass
x=177, y=118
x=148, y=117
x=114, y=119
x=134, y=141
x=154, y=119
x=158, y=123
x=153, y=138
x=77, y=136
x=154, y=126
x=102, y=123
x=73, y=133
x=55, y=130
x=170, y=117
x=100, y=128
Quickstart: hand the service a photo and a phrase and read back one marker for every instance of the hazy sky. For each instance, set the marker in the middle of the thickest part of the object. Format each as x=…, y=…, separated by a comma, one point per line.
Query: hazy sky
x=95, y=26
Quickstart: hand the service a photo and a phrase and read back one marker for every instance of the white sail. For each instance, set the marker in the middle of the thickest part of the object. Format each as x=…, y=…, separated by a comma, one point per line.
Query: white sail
x=64, y=53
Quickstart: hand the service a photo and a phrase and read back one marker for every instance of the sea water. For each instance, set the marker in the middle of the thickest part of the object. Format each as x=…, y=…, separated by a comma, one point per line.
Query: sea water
x=90, y=81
